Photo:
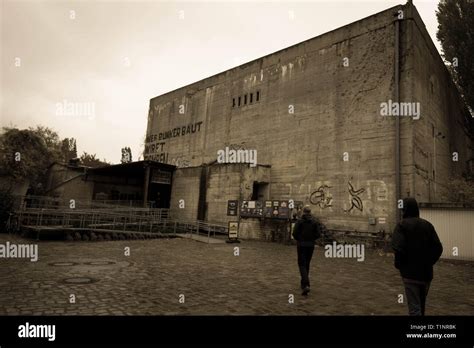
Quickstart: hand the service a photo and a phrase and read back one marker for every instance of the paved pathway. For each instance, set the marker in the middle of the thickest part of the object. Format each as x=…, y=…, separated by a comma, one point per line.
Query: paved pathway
x=213, y=281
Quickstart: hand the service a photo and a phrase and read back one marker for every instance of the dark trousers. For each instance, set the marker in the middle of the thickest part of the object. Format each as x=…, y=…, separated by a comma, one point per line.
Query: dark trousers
x=305, y=253
x=416, y=292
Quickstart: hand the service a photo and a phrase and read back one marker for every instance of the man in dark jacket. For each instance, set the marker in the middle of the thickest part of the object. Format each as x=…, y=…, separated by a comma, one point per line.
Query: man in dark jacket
x=417, y=248
x=306, y=231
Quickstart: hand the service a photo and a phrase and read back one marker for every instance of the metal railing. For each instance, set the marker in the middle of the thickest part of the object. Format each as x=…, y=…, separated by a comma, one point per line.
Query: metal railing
x=132, y=221
x=47, y=202
x=203, y=228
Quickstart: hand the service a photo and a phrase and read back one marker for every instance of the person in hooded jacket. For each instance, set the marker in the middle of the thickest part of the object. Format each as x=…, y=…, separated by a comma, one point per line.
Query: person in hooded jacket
x=306, y=231
x=417, y=248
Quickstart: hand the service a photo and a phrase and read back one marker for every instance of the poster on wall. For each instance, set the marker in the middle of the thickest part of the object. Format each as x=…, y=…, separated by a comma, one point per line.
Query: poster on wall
x=251, y=209
x=160, y=177
x=276, y=210
x=275, y=206
x=283, y=211
x=268, y=209
x=232, y=207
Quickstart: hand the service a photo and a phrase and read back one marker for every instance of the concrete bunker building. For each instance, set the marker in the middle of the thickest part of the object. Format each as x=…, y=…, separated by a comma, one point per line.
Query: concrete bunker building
x=312, y=112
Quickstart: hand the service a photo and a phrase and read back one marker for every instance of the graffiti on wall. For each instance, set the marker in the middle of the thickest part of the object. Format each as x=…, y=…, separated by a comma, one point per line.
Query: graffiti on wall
x=368, y=197
x=235, y=147
x=377, y=190
x=164, y=157
x=316, y=194
x=321, y=197
x=180, y=162
x=356, y=201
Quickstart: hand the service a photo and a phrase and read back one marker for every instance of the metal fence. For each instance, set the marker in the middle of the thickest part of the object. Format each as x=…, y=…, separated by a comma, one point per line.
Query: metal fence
x=101, y=220
x=47, y=202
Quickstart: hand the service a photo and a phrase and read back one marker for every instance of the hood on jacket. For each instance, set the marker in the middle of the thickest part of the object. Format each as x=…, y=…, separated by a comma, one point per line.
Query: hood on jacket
x=410, y=208
x=307, y=217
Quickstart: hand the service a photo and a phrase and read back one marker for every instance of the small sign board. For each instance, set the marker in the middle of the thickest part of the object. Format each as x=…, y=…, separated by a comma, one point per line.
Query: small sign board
x=276, y=210
x=251, y=209
x=275, y=206
x=283, y=211
x=268, y=209
x=232, y=207
x=160, y=177
x=233, y=229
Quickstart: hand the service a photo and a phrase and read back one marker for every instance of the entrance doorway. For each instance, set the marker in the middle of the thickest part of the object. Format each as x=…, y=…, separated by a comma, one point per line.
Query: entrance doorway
x=159, y=195
x=260, y=191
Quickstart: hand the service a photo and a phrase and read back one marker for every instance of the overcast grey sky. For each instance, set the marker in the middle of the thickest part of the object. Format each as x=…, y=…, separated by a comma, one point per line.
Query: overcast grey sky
x=119, y=54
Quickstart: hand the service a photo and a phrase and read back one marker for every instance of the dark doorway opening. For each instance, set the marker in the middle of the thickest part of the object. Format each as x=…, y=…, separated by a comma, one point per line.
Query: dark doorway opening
x=260, y=191
x=159, y=195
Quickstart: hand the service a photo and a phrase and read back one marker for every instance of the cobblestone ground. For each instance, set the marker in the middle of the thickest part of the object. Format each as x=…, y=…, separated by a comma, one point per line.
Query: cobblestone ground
x=213, y=281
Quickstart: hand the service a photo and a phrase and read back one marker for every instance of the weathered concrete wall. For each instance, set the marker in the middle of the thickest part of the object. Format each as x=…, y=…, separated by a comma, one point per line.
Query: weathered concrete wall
x=79, y=190
x=185, y=186
x=336, y=110
x=223, y=182
x=59, y=173
x=231, y=182
x=68, y=184
x=317, y=122
x=440, y=131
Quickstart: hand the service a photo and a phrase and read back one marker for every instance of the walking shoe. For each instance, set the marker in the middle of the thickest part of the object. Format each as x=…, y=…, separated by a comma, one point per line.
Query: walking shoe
x=306, y=290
